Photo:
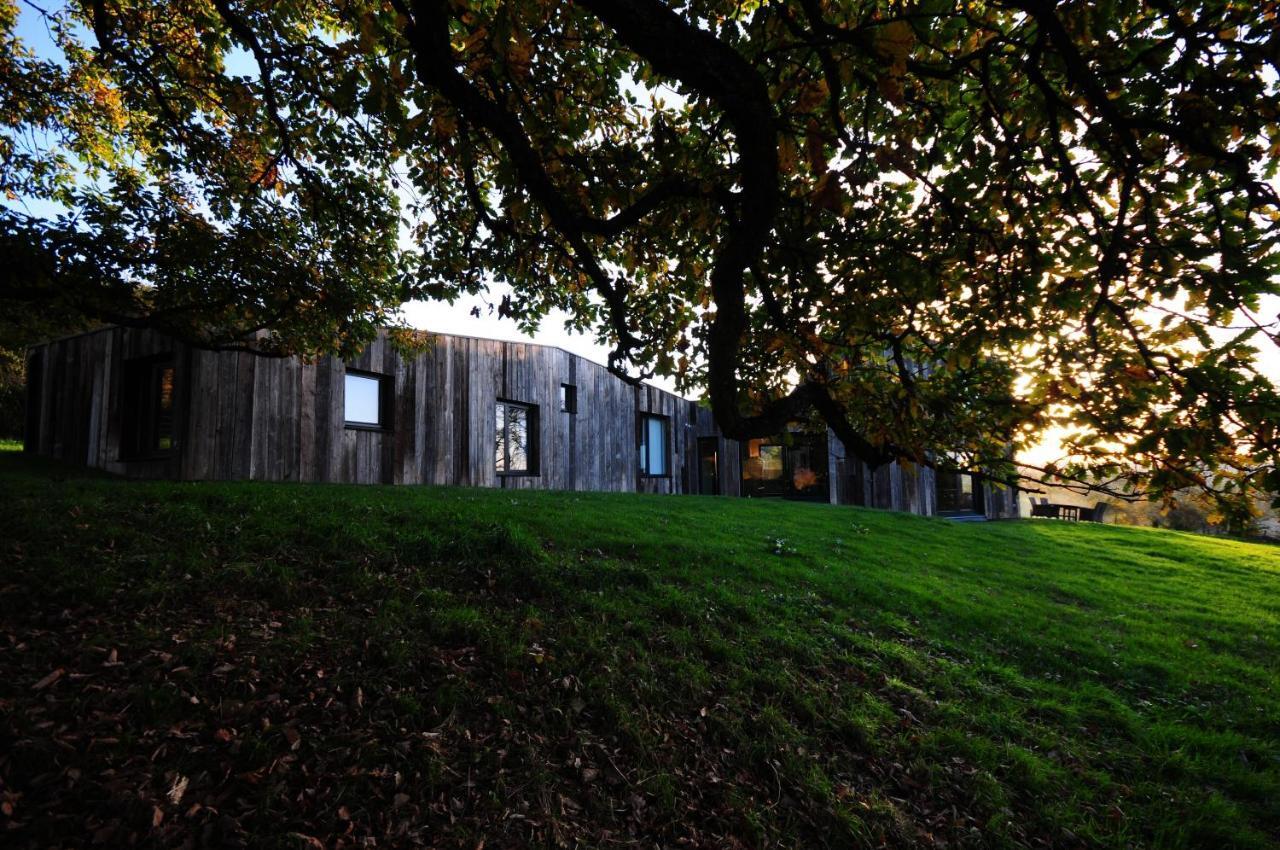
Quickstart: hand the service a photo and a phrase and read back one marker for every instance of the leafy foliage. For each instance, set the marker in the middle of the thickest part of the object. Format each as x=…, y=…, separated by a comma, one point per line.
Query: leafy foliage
x=940, y=229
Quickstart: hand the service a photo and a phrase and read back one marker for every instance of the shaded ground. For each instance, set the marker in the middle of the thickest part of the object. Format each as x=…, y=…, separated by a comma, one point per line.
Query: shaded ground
x=316, y=666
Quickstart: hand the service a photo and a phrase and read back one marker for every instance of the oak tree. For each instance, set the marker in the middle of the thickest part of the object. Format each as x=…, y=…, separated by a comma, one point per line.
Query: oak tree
x=940, y=228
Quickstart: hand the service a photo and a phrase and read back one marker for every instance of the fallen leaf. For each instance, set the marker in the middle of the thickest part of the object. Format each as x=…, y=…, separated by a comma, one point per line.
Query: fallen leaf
x=178, y=788
x=48, y=680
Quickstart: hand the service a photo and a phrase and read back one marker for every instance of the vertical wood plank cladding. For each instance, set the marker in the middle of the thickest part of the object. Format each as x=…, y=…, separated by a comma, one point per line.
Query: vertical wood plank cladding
x=306, y=422
x=201, y=444
x=111, y=448
x=571, y=423
x=321, y=417
x=102, y=350
x=907, y=476
x=260, y=421
x=402, y=439
x=349, y=451
x=732, y=468
x=464, y=425
x=285, y=417
x=241, y=416
x=277, y=438
x=246, y=398
x=224, y=436
x=337, y=431
x=882, y=490
x=192, y=436
x=293, y=420
x=429, y=409
x=95, y=369
x=484, y=384
x=386, y=442
x=423, y=408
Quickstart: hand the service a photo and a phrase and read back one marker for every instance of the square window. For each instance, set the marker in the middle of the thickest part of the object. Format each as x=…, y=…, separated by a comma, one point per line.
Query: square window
x=568, y=398
x=516, y=438
x=367, y=400
x=654, y=449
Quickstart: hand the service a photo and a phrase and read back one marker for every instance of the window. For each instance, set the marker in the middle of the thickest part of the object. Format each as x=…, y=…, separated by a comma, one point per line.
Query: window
x=957, y=492
x=568, y=398
x=367, y=400
x=148, y=408
x=653, y=445
x=763, y=472
x=516, y=444
x=771, y=463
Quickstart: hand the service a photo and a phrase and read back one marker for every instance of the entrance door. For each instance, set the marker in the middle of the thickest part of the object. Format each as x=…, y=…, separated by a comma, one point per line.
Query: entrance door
x=708, y=466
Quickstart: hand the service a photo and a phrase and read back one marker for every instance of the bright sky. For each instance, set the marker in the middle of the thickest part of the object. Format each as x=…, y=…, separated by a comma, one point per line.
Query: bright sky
x=456, y=318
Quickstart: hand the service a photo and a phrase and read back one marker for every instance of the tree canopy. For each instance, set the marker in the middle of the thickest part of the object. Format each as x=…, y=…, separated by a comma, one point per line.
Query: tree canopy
x=940, y=228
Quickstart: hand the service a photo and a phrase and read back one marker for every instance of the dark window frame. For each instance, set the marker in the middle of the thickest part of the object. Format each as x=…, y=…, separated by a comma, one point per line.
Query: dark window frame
x=533, y=457
x=569, y=398
x=141, y=406
x=386, y=401
x=642, y=433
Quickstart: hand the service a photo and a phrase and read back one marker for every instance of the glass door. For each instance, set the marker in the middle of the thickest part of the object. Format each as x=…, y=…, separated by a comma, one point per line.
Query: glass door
x=708, y=466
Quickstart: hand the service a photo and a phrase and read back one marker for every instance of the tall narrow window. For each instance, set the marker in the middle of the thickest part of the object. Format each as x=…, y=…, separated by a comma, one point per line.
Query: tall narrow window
x=148, y=399
x=653, y=445
x=367, y=400
x=516, y=439
x=568, y=398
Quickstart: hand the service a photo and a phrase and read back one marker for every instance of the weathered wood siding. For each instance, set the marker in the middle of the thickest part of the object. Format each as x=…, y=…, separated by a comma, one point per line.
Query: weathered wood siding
x=1001, y=502
x=75, y=401
x=240, y=416
x=896, y=486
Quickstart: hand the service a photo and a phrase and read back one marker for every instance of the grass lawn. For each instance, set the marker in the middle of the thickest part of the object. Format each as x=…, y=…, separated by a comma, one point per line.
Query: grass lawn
x=316, y=666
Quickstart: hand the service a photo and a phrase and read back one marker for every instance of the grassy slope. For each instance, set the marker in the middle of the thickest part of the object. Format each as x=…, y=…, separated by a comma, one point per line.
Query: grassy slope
x=450, y=665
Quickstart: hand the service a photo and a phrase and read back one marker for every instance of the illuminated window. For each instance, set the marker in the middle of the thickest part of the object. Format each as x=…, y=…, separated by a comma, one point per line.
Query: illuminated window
x=367, y=400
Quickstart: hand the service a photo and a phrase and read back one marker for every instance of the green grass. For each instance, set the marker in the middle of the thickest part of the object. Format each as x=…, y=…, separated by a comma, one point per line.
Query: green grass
x=551, y=669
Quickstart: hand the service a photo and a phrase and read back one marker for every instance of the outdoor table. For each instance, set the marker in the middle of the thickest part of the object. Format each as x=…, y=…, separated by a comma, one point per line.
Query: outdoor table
x=1071, y=513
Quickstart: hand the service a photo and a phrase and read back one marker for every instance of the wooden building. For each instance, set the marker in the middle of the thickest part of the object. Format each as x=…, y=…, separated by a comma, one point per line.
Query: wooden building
x=464, y=411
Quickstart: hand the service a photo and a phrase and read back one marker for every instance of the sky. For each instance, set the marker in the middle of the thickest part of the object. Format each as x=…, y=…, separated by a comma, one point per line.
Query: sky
x=457, y=318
